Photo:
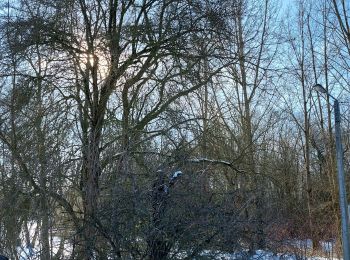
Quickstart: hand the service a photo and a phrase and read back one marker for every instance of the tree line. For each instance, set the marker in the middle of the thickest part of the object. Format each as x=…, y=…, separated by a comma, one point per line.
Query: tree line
x=161, y=129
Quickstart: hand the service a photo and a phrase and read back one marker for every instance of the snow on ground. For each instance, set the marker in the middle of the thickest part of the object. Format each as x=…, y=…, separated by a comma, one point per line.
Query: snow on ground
x=32, y=252
x=260, y=255
x=298, y=249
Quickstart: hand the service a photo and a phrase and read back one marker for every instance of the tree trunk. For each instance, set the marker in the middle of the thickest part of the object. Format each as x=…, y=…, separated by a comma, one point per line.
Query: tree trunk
x=91, y=171
x=258, y=237
x=42, y=168
x=158, y=247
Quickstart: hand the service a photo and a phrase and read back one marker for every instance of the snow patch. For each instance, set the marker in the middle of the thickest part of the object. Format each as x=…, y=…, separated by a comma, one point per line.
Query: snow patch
x=176, y=174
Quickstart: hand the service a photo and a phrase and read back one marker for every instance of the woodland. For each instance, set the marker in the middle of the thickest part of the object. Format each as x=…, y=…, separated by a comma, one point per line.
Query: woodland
x=162, y=129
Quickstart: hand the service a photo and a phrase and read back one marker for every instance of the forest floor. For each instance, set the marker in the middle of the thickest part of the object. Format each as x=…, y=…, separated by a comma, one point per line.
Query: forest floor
x=296, y=250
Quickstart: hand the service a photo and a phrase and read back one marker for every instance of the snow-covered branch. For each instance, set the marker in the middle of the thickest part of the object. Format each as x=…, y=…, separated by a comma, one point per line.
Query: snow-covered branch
x=215, y=162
